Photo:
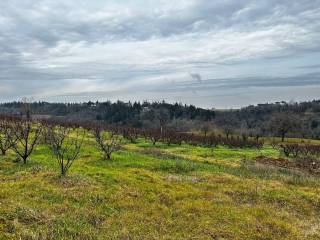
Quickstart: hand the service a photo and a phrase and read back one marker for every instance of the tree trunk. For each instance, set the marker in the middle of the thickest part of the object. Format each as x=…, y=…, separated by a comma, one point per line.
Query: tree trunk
x=62, y=171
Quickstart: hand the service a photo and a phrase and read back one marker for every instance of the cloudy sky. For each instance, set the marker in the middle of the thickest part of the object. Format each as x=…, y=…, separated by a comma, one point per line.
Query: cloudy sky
x=211, y=53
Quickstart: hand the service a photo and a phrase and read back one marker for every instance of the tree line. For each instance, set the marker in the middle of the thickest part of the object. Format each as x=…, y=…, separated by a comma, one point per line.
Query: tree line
x=280, y=119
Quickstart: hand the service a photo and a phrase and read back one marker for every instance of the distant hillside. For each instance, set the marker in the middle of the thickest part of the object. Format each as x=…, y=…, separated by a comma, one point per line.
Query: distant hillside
x=134, y=114
x=296, y=119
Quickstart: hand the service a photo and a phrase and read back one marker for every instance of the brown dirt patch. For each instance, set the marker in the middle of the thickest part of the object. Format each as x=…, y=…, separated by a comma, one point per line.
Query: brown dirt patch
x=305, y=164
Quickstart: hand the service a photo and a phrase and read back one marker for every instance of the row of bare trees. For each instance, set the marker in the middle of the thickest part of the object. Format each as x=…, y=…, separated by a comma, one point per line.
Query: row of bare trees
x=212, y=140
x=166, y=136
x=65, y=139
x=299, y=149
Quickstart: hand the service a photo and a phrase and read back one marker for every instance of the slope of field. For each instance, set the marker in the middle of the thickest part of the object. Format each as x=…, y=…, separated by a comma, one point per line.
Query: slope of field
x=161, y=192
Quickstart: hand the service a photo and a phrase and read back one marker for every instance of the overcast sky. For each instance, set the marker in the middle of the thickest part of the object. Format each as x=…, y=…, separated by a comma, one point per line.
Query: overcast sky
x=211, y=53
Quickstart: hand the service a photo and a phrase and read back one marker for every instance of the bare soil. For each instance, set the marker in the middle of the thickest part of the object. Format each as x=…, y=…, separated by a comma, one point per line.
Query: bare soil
x=305, y=164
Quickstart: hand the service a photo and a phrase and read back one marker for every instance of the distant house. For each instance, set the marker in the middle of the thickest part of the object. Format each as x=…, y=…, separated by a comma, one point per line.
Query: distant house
x=145, y=109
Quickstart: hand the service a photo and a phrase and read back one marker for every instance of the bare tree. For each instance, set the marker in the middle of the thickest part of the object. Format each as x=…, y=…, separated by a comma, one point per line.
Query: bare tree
x=154, y=136
x=228, y=130
x=227, y=125
x=243, y=131
x=206, y=128
x=163, y=116
x=255, y=133
x=6, y=137
x=26, y=108
x=131, y=134
x=25, y=136
x=107, y=141
x=283, y=123
x=66, y=145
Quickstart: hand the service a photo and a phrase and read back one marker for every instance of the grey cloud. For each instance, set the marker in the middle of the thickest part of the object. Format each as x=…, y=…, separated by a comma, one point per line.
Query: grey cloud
x=214, y=92
x=214, y=84
x=260, y=82
x=159, y=41
x=316, y=66
x=196, y=77
x=72, y=23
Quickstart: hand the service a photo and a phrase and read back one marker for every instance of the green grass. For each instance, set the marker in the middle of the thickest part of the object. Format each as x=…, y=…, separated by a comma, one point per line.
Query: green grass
x=161, y=192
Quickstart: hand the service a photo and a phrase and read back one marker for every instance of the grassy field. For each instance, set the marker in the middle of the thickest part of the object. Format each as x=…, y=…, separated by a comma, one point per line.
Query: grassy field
x=161, y=192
